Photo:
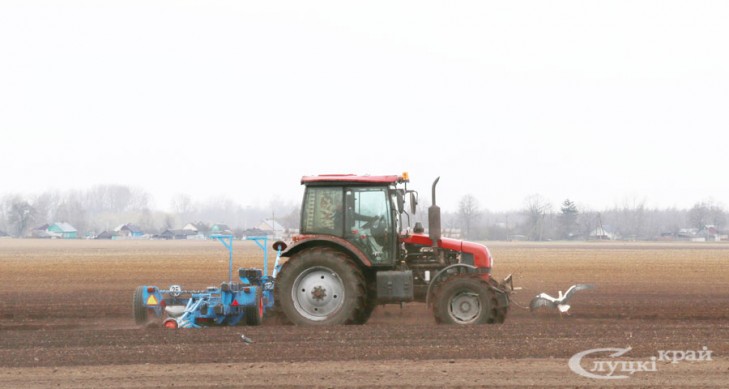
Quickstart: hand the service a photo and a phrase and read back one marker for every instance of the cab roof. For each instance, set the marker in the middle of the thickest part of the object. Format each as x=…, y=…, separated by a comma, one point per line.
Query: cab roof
x=341, y=179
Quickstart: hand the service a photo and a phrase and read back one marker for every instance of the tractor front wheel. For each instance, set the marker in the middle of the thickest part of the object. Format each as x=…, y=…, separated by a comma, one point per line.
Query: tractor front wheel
x=464, y=300
x=321, y=286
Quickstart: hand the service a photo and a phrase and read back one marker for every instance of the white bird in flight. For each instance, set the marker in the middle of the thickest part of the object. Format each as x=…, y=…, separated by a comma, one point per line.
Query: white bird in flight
x=560, y=302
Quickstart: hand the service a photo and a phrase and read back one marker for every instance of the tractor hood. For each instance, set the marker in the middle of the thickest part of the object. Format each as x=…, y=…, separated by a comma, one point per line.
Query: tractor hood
x=481, y=254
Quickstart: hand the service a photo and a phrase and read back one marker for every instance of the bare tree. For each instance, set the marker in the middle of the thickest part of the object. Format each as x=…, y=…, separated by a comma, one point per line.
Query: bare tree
x=568, y=219
x=421, y=214
x=183, y=207
x=4, y=208
x=169, y=222
x=293, y=218
x=668, y=221
x=707, y=213
x=629, y=220
x=587, y=222
x=536, y=208
x=115, y=198
x=146, y=221
x=220, y=210
x=182, y=204
x=72, y=210
x=46, y=205
x=20, y=216
x=468, y=214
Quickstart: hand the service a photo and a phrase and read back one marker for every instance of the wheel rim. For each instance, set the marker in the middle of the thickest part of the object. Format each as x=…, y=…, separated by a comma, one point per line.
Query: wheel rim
x=465, y=307
x=317, y=293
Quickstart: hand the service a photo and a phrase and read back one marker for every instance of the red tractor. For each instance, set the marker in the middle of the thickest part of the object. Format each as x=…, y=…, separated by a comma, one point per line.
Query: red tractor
x=354, y=252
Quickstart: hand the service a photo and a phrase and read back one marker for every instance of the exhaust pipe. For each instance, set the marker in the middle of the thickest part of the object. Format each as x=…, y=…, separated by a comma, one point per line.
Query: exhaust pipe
x=434, y=227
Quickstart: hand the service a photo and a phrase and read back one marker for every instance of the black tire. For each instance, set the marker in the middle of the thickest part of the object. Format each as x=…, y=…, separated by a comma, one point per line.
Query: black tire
x=321, y=286
x=254, y=314
x=370, y=300
x=464, y=300
x=138, y=309
x=501, y=303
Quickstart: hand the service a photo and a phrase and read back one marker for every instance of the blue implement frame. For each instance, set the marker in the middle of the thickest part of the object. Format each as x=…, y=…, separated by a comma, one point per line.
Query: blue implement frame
x=228, y=304
x=227, y=241
x=268, y=280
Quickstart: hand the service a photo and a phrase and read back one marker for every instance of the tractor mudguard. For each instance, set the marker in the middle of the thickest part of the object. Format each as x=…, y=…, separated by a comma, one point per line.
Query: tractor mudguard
x=305, y=241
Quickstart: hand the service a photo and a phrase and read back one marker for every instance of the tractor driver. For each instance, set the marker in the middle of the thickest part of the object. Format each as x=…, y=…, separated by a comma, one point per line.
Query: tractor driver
x=334, y=214
x=351, y=216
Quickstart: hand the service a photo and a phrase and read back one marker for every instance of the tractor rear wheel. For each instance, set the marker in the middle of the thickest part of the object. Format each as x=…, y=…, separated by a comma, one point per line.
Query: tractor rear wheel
x=321, y=286
x=138, y=308
x=464, y=300
x=370, y=303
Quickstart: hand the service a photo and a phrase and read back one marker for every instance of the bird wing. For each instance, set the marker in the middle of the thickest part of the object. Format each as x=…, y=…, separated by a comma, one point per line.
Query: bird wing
x=539, y=301
x=575, y=288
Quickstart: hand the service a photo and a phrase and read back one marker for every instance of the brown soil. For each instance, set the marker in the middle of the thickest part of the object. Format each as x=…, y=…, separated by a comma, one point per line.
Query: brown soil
x=65, y=319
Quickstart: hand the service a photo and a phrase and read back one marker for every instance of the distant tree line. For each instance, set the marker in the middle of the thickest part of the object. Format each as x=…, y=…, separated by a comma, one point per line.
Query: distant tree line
x=105, y=207
x=540, y=220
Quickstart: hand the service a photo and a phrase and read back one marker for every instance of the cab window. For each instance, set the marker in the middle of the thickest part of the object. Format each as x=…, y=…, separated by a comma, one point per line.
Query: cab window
x=322, y=212
x=369, y=223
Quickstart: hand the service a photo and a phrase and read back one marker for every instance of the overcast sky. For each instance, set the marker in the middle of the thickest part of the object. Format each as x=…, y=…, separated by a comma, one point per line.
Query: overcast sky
x=598, y=102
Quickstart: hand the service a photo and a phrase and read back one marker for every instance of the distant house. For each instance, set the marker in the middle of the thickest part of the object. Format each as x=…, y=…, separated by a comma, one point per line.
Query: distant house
x=40, y=232
x=668, y=236
x=176, y=234
x=454, y=233
x=271, y=227
x=687, y=233
x=129, y=231
x=221, y=229
x=711, y=234
x=200, y=230
x=62, y=230
x=107, y=235
x=197, y=227
x=602, y=233
x=252, y=232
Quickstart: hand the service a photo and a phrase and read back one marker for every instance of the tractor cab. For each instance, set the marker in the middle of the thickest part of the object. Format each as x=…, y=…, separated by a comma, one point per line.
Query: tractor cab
x=361, y=210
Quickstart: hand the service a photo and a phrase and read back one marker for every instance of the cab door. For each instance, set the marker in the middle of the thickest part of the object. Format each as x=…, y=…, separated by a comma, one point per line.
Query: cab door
x=369, y=223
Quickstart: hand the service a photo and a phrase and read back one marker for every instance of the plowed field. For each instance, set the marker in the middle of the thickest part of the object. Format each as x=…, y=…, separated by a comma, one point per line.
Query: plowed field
x=65, y=320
